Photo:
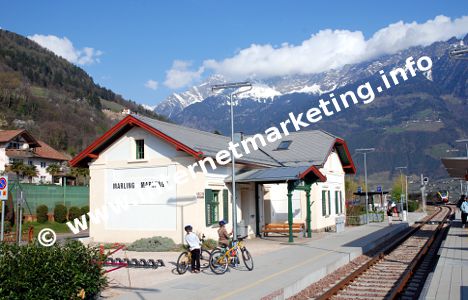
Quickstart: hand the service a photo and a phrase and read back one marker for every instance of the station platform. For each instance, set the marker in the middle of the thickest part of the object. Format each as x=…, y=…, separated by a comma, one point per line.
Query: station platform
x=278, y=274
x=449, y=281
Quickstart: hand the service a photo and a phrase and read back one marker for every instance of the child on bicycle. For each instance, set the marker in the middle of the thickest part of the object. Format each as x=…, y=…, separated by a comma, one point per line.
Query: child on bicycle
x=223, y=236
x=194, y=245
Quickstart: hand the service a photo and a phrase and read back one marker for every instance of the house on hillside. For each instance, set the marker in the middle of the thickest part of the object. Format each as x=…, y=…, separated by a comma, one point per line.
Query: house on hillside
x=20, y=146
x=139, y=179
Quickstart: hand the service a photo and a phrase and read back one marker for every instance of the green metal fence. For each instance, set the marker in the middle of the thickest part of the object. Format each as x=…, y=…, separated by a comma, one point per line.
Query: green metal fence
x=50, y=195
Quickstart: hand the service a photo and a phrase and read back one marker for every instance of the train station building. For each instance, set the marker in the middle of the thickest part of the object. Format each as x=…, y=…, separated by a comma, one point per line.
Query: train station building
x=141, y=164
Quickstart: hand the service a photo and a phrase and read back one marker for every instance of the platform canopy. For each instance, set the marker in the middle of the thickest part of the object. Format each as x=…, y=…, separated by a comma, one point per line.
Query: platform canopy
x=456, y=167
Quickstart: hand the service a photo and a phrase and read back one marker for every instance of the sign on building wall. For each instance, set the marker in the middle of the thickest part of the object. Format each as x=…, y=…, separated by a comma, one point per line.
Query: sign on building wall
x=141, y=198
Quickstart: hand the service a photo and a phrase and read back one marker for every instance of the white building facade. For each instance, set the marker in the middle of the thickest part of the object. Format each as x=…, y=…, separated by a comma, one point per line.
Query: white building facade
x=137, y=190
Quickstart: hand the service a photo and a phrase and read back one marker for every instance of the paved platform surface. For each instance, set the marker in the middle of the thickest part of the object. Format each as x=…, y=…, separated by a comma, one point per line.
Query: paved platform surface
x=450, y=278
x=284, y=272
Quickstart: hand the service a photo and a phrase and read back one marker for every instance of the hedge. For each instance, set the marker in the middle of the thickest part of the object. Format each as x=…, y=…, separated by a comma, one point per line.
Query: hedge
x=58, y=272
x=41, y=213
x=73, y=213
x=60, y=213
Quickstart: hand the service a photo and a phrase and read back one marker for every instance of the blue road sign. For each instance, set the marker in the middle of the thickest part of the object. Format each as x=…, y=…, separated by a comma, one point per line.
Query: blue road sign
x=359, y=189
x=379, y=189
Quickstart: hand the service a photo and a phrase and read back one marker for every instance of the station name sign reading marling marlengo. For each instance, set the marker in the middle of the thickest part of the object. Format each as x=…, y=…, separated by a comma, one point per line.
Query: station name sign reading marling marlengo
x=142, y=184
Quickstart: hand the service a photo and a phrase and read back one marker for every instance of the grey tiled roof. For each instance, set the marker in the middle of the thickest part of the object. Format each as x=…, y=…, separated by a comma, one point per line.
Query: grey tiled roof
x=307, y=147
x=276, y=174
x=208, y=143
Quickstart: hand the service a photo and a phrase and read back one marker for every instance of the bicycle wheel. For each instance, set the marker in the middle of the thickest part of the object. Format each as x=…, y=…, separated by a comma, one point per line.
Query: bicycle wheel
x=248, y=260
x=204, y=259
x=183, y=262
x=218, y=262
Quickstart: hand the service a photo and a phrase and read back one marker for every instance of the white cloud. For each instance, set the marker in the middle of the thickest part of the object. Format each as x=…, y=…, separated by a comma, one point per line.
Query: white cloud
x=64, y=47
x=330, y=49
x=151, y=84
x=180, y=75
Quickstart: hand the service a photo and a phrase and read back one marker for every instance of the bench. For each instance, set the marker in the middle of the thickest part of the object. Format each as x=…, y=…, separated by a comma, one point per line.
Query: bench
x=282, y=228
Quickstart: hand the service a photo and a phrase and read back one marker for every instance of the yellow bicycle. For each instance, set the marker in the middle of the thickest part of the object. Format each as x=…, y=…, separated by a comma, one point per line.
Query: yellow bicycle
x=185, y=259
x=221, y=258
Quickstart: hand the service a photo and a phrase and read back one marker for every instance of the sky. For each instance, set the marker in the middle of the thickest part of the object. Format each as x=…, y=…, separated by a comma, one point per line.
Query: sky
x=146, y=50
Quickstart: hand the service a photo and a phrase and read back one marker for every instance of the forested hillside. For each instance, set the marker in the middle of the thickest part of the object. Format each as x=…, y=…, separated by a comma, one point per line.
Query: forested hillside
x=55, y=100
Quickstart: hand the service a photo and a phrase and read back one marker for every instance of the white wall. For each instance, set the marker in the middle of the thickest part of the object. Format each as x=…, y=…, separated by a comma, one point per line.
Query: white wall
x=333, y=170
x=165, y=215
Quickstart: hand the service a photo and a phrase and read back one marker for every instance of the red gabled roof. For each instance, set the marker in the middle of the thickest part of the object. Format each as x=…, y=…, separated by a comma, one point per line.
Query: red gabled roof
x=8, y=135
x=129, y=122
x=315, y=171
x=341, y=147
x=46, y=151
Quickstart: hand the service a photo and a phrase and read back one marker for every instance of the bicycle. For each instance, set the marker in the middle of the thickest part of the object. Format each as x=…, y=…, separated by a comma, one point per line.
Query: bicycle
x=221, y=258
x=185, y=259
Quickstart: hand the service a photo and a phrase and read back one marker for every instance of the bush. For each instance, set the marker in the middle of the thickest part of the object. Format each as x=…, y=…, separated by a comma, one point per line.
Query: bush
x=413, y=205
x=210, y=244
x=7, y=227
x=153, y=244
x=85, y=211
x=60, y=213
x=64, y=271
x=41, y=213
x=74, y=212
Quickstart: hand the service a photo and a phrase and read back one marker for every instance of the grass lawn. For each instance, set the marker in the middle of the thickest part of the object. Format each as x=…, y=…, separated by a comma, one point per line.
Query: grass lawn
x=57, y=227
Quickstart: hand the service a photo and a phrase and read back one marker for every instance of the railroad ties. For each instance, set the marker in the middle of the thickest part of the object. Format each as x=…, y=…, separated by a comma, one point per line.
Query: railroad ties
x=395, y=274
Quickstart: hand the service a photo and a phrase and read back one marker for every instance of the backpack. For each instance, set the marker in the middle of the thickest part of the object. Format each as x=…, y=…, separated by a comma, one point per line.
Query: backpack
x=460, y=202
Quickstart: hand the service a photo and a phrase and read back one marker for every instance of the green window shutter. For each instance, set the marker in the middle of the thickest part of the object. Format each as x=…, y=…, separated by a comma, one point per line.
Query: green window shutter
x=225, y=205
x=341, y=203
x=337, y=211
x=329, y=203
x=324, y=204
x=208, y=206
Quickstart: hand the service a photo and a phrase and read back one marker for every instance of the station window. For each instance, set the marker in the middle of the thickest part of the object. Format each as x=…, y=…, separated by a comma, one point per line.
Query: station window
x=329, y=203
x=324, y=203
x=337, y=205
x=43, y=164
x=211, y=206
x=30, y=162
x=140, y=149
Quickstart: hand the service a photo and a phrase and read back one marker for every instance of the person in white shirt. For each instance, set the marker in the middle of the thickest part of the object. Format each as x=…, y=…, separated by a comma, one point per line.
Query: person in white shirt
x=194, y=245
x=464, y=211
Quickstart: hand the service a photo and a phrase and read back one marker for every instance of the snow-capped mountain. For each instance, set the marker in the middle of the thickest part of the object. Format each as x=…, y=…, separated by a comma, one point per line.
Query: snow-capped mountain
x=269, y=89
x=408, y=124
x=176, y=102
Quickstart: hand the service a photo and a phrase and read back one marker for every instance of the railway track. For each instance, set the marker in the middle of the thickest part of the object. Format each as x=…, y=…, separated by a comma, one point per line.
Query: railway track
x=399, y=270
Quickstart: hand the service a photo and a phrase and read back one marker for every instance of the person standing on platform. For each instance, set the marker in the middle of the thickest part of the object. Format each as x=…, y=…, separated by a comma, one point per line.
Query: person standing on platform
x=464, y=211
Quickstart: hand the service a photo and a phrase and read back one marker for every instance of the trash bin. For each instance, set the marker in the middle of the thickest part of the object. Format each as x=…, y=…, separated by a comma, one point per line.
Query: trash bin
x=242, y=229
x=340, y=223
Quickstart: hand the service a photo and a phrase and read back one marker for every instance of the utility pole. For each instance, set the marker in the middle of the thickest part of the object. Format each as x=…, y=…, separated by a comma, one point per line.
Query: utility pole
x=365, y=151
x=234, y=86
x=424, y=181
x=406, y=188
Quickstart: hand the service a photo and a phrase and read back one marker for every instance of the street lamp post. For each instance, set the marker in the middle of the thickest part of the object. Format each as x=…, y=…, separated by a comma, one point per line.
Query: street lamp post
x=235, y=86
x=406, y=186
x=365, y=151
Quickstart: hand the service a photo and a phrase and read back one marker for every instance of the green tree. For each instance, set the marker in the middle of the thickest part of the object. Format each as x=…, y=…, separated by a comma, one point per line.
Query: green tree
x=53, y=170
x=396, y=189
x=81, y=175
x=30, y=171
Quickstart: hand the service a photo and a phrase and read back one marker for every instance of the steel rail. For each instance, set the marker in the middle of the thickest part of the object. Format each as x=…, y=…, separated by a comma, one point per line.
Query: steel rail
x=385, y=251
